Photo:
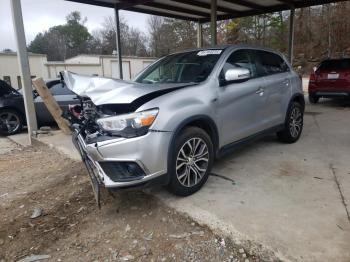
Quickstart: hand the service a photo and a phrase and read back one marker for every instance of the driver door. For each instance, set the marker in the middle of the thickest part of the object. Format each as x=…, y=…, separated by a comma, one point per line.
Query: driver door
x=240, y=103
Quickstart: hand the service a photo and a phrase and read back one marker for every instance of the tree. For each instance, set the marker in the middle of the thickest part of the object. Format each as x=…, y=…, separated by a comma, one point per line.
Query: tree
x=133, y=41
x=63, y=41
x=170, y=35
x=7, y=50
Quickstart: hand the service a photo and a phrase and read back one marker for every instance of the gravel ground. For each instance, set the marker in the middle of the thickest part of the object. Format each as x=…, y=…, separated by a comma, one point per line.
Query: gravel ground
x=131, y=226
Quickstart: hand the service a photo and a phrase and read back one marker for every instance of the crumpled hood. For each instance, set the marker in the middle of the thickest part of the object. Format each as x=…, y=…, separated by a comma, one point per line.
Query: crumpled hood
x=103, y=90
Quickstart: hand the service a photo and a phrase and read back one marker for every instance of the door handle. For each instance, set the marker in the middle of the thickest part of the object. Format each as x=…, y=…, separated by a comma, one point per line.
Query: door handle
x=286, y=82
x=260, y=91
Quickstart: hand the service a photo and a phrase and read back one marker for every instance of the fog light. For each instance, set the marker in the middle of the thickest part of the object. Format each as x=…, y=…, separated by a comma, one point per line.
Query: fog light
x=122, y=171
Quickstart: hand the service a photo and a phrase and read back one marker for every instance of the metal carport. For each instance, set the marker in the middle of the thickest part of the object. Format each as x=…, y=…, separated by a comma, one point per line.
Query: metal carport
x=201, y=11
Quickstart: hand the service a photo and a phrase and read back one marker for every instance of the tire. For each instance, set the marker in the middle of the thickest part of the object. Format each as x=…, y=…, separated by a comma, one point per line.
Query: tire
x=11, y=122
x=313, y=99
x=293, y=125
x=189, y=170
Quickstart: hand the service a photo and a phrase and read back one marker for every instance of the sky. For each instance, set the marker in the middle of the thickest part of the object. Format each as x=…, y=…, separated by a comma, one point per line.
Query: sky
x=40, y=15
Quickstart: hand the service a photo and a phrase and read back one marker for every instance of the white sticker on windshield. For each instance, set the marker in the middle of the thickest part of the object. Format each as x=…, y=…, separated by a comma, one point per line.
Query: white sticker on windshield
x=209, y=52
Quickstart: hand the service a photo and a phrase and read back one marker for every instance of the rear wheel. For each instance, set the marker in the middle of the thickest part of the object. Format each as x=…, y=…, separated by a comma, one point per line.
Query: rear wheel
x=313, y=98
x=293, y=125
x=11, y=122
x=191, y=161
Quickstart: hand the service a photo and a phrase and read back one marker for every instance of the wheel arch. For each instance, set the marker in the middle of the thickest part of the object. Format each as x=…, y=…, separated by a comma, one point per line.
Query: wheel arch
x=14, y=109
x=201, y=121
x=298, y=98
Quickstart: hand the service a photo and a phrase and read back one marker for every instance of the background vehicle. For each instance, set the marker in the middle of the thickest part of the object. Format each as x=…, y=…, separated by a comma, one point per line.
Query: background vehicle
x=12, y=113
x=181, y=113
x=331, y=79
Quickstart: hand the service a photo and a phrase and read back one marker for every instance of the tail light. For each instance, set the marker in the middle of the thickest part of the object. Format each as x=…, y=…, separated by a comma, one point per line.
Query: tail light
x=312, y=77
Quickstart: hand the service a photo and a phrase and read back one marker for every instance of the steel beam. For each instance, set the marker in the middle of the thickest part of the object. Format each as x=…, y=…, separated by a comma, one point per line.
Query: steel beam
x=247, y=4
x=291, y=35
x=199, y=35
x=213, y=21
x=118, y=43
x=23, y=62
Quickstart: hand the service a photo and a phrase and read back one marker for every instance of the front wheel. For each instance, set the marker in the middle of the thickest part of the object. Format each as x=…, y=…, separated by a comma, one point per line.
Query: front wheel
x=190, y=162
x=293, y=125
x=11, y=122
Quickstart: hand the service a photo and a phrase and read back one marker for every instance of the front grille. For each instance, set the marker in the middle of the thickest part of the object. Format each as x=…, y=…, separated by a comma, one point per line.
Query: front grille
x=122, y=171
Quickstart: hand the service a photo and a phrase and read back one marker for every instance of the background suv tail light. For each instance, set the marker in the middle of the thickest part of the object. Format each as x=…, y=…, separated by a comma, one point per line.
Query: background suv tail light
x=312, y=77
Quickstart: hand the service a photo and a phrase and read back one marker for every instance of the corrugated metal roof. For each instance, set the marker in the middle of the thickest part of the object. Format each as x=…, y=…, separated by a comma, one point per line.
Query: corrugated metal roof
x=199, y=10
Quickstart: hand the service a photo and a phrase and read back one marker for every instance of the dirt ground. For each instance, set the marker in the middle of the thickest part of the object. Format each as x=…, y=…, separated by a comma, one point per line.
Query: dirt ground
x=133, y=226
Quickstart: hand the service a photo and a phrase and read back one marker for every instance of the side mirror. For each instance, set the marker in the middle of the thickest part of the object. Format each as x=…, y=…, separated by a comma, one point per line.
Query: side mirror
x=237, y=75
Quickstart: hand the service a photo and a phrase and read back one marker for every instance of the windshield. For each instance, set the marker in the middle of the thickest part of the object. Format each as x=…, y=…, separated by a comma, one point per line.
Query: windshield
x=189, y=67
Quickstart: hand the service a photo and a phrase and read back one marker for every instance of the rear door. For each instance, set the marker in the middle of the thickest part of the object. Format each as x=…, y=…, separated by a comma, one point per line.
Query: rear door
x=277, y=77
x=240, y=104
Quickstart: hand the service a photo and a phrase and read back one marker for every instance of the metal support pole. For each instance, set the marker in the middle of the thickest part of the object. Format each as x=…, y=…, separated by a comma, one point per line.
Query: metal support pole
x=119, y=52
x=199, y=35
x=23, y=62
x=291, y=35
x=213, y=18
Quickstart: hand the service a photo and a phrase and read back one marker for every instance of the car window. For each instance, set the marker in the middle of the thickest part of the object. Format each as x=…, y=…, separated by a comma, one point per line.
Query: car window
x=60, y=89
x=269, y=63
x=240, y=59
x=194, y=66
x=341, y=64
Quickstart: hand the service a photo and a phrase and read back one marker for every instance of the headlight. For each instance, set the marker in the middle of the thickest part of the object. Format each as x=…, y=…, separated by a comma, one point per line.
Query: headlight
x=129, y=125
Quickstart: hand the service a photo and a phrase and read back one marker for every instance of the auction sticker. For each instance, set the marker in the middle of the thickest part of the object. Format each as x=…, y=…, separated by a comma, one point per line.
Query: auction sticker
x=209, y=52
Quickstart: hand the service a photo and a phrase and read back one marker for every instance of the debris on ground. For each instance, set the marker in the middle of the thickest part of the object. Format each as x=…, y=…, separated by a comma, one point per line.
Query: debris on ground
x=66, y=224
x=34, y=258
x=37, y=212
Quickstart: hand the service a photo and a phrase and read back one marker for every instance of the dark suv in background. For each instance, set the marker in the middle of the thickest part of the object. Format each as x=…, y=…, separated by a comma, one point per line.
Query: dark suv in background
x=12, y=113
x=331, y=79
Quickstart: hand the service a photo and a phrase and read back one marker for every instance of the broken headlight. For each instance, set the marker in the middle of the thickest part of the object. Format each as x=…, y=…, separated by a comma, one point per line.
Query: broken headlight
x=128, y=125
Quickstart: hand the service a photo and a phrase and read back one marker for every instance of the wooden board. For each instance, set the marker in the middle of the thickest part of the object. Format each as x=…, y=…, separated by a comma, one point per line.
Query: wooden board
x=51, y=104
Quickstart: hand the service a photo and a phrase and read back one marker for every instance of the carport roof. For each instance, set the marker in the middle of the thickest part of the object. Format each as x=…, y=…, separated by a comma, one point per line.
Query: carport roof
x=199, y=10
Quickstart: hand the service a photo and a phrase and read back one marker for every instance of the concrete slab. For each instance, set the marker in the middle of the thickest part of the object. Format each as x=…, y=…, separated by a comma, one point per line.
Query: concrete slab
x=63, y=144
x=7, y=145
x=21, y=139
x=292, y=199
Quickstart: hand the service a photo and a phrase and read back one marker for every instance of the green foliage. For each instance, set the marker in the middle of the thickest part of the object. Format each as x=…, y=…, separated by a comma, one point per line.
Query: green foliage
x=63, y=41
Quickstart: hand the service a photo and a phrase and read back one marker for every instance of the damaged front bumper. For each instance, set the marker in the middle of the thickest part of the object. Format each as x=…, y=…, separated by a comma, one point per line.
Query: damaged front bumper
x=125, y=162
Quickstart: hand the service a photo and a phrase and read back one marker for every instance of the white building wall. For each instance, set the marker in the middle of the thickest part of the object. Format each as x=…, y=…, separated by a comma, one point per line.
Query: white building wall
x=107, y=66
x=83, y=64
x=9, y=68
x=84, y=59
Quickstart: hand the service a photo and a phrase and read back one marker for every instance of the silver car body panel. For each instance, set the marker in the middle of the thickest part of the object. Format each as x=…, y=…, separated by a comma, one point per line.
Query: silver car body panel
x=237, y=110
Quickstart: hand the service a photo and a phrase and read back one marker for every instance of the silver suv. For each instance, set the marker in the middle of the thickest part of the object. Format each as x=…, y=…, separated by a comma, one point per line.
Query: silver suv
x=182, y=112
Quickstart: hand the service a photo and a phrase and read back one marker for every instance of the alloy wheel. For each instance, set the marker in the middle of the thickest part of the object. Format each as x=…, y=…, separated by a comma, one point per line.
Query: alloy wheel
x=11, y=121
x=295, y=122
x=192, y=162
